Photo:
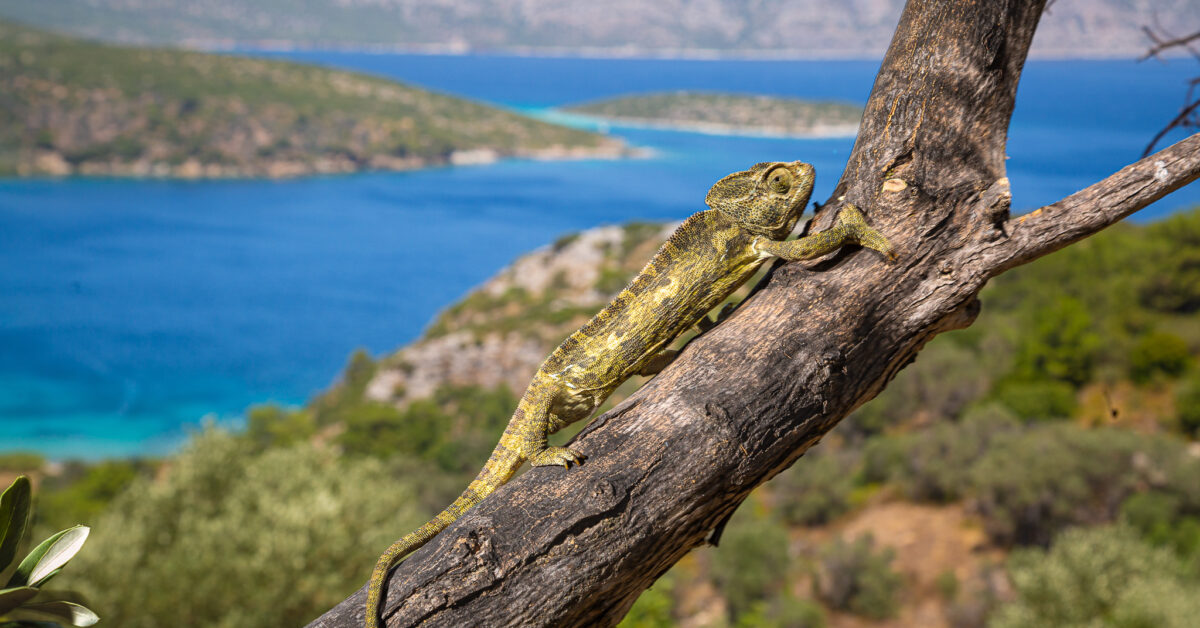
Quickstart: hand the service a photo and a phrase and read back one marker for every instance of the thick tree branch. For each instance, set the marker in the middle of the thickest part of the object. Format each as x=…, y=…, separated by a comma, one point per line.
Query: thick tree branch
x=576, y=547
x=1097, y=206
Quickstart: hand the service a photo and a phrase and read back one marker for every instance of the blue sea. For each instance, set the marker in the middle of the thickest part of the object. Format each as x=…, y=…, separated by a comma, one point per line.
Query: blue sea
x=130, y=310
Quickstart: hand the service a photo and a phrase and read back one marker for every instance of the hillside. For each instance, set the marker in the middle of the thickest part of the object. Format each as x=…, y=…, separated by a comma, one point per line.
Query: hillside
x=728, y=113
x=75, y=107
x=863, y=28
x=1049, y=448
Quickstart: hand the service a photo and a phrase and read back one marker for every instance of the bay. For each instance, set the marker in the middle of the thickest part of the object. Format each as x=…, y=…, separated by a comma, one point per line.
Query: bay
x=129, y=309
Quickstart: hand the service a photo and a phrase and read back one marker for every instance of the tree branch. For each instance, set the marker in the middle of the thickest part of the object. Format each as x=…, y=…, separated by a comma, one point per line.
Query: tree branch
x=1101, y=204
x=576, y=547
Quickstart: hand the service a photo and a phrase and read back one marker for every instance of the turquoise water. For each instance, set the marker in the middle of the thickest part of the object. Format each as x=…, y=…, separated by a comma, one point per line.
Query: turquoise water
x=130, y=309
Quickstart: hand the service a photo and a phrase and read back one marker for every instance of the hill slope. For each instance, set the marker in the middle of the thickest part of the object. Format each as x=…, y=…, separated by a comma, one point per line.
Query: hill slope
x=1072, y=28
x=70, y=106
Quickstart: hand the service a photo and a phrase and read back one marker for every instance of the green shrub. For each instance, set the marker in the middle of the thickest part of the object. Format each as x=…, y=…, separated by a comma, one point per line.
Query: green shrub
x=854, y=577
x=228, y=536
x=933, y=464
x=947, y=585
x=1158, y=353
x=783, y=611
x=1187, y=405
x=752, y=560
x=817, y=488
x=920, y=389
x=1103, y=576
x=1156, y=516
x=653, y=608
x=1061, y=344
x=1037, y=400
x=1031, y=485
x=272, y=425
x=21, y=461
x=82, y=492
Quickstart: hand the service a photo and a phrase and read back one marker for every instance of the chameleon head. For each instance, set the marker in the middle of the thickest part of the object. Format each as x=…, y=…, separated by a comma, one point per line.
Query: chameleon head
x=767, y=199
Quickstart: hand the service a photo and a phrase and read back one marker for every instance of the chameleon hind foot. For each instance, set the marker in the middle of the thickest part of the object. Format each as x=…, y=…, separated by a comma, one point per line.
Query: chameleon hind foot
x=851, y=218
x=556, y=456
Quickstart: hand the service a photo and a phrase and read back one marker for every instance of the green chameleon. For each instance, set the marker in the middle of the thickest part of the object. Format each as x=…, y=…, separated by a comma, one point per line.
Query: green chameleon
x=703, y=262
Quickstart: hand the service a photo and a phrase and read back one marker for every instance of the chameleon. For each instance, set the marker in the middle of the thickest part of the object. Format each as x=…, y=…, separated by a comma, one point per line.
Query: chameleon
x=750, y=215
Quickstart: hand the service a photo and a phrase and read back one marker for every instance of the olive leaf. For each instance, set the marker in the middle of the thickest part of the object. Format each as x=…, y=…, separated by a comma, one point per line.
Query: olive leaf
x=44, y=561
x=14, y=515
x=69, y=612
x=12, y=598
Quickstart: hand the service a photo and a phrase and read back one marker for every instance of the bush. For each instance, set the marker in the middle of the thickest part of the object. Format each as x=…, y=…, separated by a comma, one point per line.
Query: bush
x=230, y=537
x=272, y=425
x=752, y=560
x=853, y=577
x=1187, y=405
x=920, y=389
x=932, y=465
x=1102, y=576
x=1158, y=353
x=82, y=493
x=782, y=612
x=653, y=607
x=21, y=461
x=1037, y=400
x=816, y=489
x=1156, y=516
x=1061, y=345
x=1029, y=486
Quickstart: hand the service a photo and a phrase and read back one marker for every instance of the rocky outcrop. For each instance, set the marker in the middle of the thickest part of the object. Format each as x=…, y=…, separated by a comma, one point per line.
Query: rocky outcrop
x=500, y=332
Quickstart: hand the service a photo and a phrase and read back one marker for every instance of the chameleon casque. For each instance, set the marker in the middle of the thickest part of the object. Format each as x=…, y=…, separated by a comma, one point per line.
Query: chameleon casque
x=708, y=257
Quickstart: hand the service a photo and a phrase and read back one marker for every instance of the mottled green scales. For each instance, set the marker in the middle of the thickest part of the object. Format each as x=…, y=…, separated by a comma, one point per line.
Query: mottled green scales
x=704, y=261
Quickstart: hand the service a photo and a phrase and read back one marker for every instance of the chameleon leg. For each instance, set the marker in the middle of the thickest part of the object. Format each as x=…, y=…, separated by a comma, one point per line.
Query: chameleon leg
x=705, y=323
x=851, y=229
x=659, y=362
x=853, y=219
x=533, y=424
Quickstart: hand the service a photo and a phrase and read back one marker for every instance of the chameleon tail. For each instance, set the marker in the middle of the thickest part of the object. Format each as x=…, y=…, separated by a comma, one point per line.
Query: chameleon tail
x=498, y=470
x=851, y=218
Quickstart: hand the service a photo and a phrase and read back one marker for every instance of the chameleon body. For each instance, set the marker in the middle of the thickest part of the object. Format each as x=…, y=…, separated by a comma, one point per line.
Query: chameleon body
x=708, y=257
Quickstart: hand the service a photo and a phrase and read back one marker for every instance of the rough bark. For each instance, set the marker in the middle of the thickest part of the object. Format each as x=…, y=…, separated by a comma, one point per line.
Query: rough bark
x=576, y=547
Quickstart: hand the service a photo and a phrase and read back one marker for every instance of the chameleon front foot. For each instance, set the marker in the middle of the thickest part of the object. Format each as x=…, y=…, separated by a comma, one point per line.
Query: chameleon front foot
x=556, y=456
x=852, y=219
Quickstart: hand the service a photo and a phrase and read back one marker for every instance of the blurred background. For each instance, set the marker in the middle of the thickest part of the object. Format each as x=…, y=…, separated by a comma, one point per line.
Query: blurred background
x=273, y=274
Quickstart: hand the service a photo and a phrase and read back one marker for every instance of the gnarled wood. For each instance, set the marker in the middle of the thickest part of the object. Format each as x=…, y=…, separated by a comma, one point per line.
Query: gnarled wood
x=744, y=401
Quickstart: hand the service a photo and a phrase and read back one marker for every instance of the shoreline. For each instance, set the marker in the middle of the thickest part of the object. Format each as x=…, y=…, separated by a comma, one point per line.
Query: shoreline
x=606, y=53
x=706, y=128
x=51, y=165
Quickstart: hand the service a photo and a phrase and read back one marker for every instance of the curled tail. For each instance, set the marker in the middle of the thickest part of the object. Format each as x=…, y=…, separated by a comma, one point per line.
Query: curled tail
x=499, y=468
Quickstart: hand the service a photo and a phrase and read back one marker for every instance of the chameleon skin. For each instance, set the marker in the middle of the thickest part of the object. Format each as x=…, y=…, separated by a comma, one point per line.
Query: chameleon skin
x=708, y=257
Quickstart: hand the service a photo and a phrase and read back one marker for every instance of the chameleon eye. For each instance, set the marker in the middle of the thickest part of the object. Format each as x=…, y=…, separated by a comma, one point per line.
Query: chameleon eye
x=780, y=180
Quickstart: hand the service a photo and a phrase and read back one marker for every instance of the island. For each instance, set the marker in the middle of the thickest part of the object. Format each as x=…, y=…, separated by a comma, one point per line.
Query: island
x=732, y=114
x=69, y=106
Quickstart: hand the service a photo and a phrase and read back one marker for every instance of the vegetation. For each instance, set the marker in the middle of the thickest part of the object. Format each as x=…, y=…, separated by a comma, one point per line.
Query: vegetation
x=72, y=106
x=728, y=113
x=230, y=535
x=1104, y=576
x=854, y=577
x=24, y=600
x=1062, y=442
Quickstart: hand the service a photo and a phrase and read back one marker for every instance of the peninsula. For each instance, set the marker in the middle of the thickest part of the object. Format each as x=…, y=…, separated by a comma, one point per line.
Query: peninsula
x=734, y=114
x=69, y=106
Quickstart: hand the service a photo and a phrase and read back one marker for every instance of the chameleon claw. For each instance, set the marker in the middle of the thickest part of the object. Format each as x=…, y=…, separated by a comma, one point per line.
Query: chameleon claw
x=555, y=456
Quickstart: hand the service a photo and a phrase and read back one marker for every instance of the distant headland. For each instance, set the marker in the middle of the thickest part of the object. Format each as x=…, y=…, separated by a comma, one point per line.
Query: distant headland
x=69, y=106
x=738, y=114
